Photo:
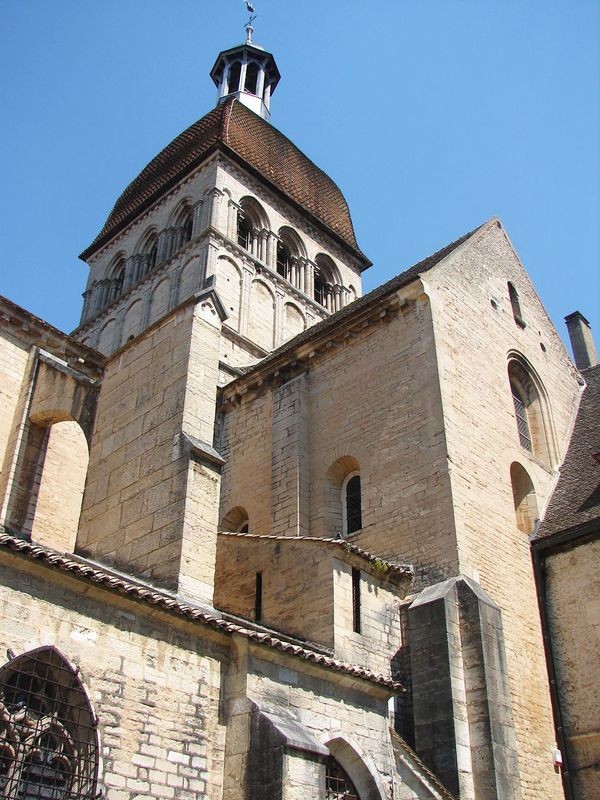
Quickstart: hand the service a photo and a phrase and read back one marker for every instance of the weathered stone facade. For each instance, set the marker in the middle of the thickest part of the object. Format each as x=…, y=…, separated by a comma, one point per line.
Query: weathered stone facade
x=281, y=529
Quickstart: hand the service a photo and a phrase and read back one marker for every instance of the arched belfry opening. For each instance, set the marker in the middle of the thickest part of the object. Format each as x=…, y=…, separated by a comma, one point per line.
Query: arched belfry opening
x=248, y=73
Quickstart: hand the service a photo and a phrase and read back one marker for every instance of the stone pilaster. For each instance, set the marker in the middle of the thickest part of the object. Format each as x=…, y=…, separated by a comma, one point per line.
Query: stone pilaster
x=289, y=464
x=197, y=218
x=461, y=702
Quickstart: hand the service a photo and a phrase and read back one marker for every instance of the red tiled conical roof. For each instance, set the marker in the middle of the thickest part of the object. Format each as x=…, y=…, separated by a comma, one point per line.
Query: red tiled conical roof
x=260, y=147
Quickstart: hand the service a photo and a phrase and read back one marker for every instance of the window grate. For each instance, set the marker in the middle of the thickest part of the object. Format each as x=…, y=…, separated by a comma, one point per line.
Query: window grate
x=47, y=731
x=338, y=785
x=522, y=423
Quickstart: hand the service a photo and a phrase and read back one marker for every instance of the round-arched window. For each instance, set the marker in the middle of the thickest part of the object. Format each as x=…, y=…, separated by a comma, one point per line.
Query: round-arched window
x=352, y=504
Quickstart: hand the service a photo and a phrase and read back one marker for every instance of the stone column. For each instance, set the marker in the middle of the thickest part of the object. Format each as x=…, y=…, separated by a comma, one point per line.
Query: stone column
x=247, y=277
x=271, y=259
x=163, y=249
x=337, y=295
x=289, y=460
x=129, y=273
x=87, y=298
x=293, y=273
x=264, y=241
x=309, y=285
x=214, y=197
x=197, y=218
x=232, y=217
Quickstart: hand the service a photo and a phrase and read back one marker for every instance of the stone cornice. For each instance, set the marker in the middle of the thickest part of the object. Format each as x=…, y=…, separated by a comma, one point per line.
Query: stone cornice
x=25, y=326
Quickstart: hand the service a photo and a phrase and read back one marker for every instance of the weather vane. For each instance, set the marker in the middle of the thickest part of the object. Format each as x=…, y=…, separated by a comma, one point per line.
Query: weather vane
x=248, y=26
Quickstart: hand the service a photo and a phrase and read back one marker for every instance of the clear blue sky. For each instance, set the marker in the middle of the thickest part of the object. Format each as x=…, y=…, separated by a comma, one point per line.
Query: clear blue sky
x=431, y=115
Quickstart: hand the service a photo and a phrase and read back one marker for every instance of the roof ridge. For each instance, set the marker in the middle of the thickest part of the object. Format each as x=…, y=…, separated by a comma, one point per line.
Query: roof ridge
x=357, y=306
x=341, y=543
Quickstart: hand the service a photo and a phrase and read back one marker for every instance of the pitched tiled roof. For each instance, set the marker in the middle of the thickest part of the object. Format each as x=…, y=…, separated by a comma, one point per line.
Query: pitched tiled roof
x=167, y=602
x=576, y=498
x=255, y=143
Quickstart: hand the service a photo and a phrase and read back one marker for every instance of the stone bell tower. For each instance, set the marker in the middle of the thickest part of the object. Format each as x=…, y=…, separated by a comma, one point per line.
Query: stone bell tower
x=227, y=244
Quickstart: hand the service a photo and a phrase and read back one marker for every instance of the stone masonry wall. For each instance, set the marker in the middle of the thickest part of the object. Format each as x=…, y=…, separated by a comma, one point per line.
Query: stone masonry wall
x=297, y=585
x=359, y=717
x=574, y=617
x=13, y=365
x=154, y=684
x=473, y=340
x=373, y=401
x=141, y=485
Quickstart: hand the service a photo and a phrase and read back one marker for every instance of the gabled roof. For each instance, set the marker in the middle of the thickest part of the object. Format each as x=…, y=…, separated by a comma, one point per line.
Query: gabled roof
x=575, y=501
x=354, y=309
x=240, y=133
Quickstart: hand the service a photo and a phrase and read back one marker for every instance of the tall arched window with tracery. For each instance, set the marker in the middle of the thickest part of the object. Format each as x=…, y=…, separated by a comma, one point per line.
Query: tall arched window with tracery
x=48, y=737
x=338, y=785
x=531, y=415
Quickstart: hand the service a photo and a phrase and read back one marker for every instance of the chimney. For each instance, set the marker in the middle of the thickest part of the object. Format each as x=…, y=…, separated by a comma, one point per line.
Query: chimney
x=582, y=341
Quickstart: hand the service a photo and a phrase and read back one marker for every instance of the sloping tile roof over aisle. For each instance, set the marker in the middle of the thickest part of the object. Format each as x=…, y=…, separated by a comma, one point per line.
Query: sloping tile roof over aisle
x=246, y=137
x=93, y=573
x=576, y=500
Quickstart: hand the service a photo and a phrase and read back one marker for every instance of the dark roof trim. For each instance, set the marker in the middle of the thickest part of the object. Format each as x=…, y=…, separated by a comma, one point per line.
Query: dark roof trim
x=587, y=531
x=351, y=313
x=168, y=603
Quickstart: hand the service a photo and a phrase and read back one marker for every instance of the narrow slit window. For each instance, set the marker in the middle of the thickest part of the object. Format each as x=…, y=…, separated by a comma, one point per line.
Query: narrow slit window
x=356, y=620
x=258, y=592
x=515, y=304
x=353, y=504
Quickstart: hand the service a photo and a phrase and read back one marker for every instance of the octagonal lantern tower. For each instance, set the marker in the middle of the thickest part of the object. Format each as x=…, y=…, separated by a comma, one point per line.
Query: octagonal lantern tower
x=248, y=73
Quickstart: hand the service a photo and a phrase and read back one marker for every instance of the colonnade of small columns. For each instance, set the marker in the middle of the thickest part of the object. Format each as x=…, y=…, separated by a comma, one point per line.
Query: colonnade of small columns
x=211, y=212
x=166, y=243
x=263, y=246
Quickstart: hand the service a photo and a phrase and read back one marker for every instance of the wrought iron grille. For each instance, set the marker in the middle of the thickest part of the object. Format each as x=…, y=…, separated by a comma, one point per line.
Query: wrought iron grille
x=522, y=423
x=48, y=746
x=338, y=785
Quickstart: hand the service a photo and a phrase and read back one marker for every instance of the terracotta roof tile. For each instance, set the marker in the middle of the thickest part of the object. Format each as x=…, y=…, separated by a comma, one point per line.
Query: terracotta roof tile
x=248, y=138
x=161, y=599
